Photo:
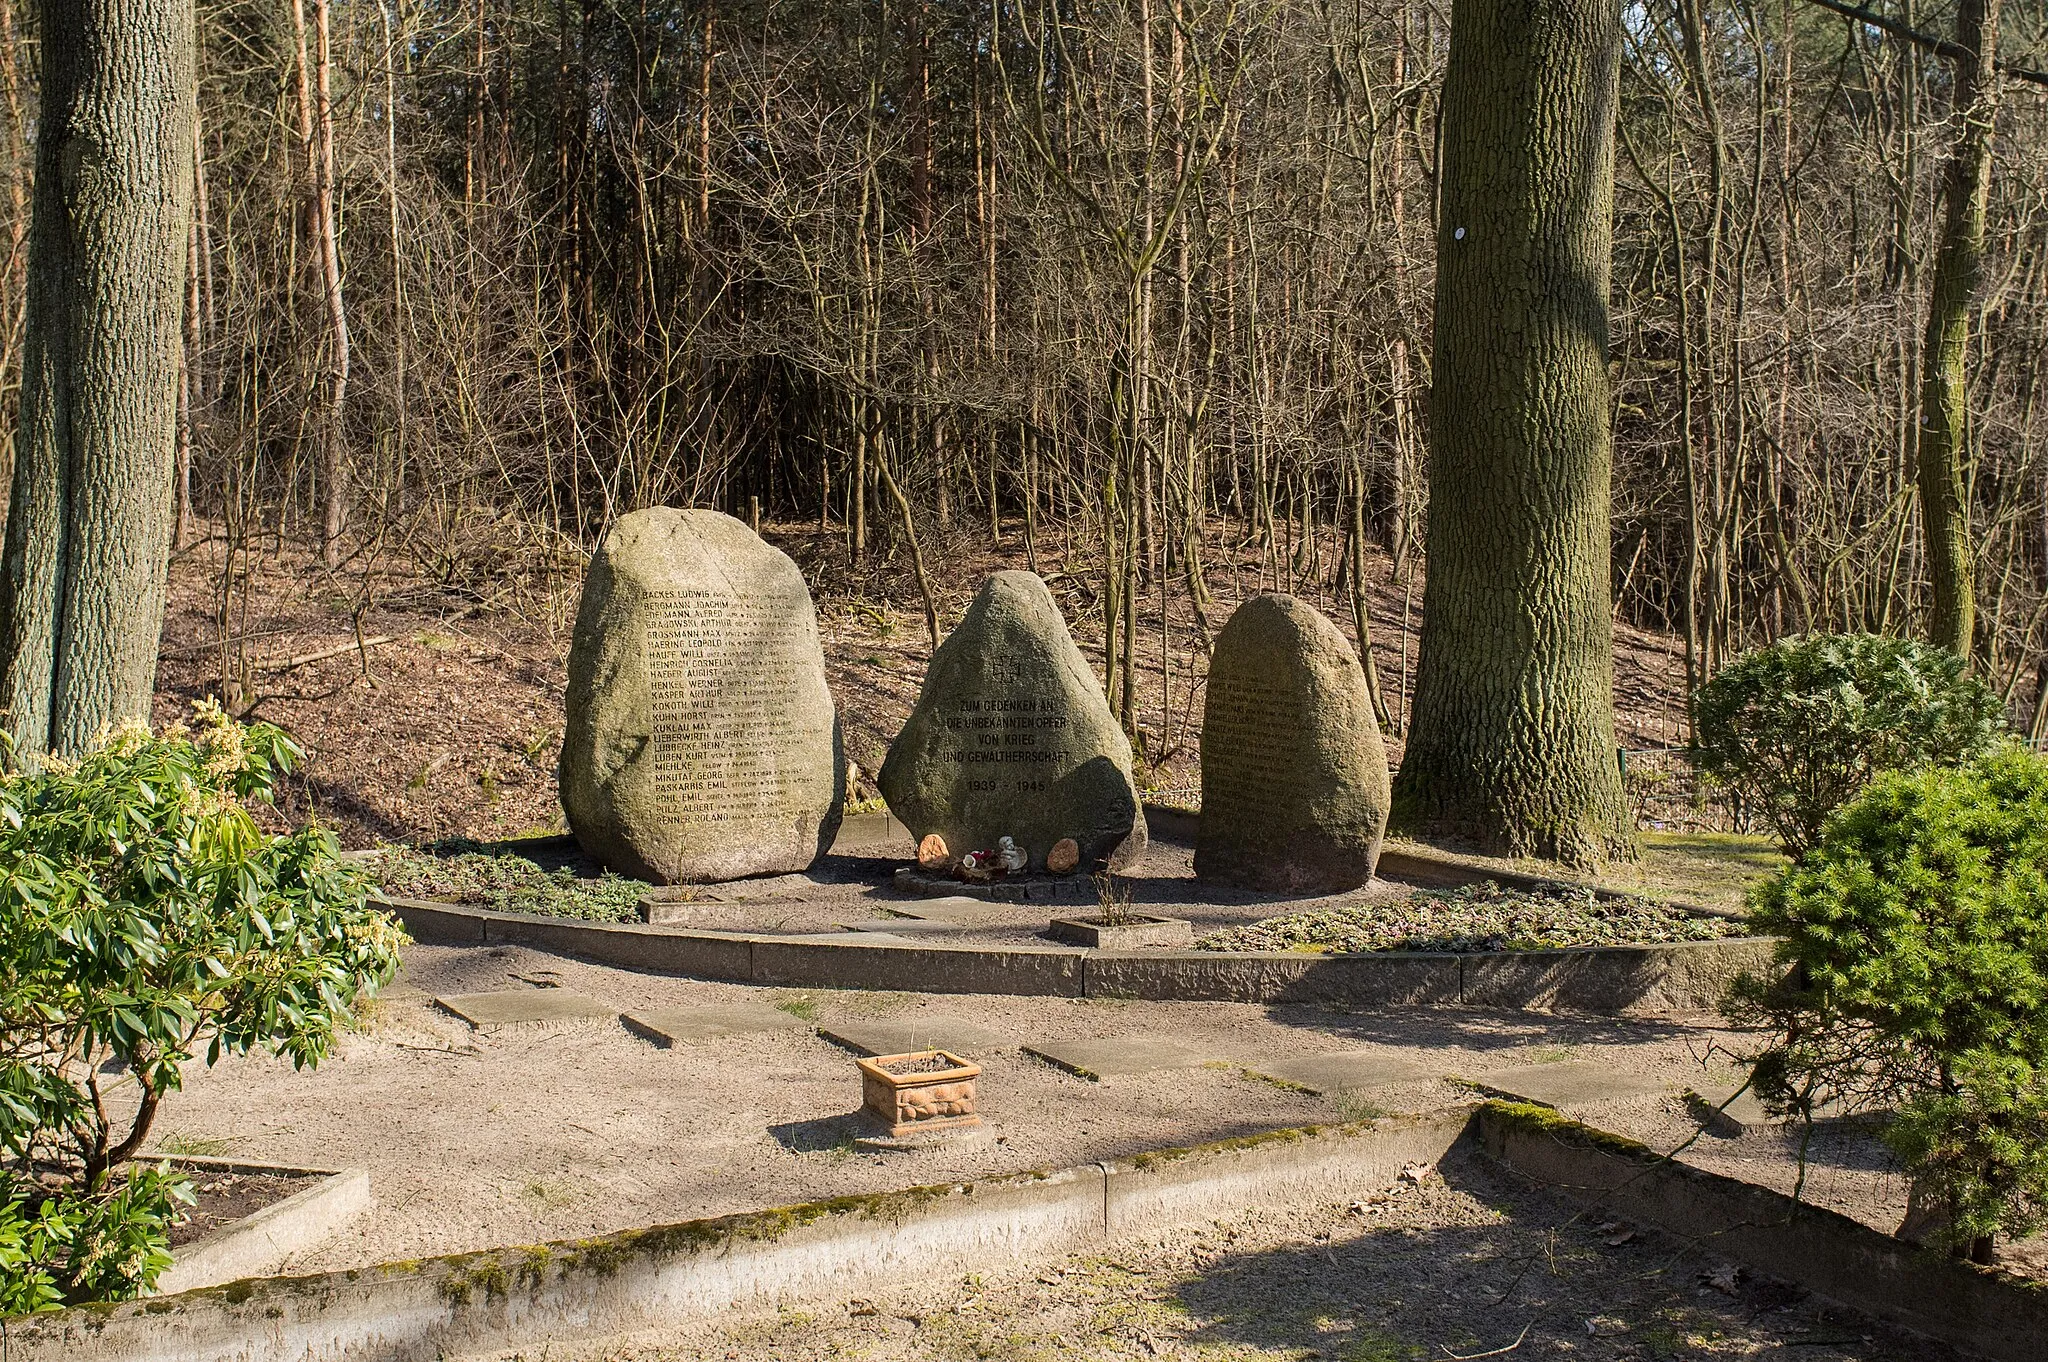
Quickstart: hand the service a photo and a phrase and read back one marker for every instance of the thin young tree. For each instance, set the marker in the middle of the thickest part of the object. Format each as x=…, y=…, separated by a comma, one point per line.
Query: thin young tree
x=1942, y=434
x=1512, y=745
x=82, y=579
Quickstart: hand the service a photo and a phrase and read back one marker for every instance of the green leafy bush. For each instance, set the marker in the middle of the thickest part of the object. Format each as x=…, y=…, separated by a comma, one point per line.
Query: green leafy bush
x=145, y=919
x=1917, y=933
x=64, y=1245
x=1796, y=729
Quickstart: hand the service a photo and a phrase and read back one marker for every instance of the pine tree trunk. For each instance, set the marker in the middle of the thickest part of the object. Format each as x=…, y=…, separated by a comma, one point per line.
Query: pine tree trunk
x=82, y=579
x=1943, y=444
x=1512, y=746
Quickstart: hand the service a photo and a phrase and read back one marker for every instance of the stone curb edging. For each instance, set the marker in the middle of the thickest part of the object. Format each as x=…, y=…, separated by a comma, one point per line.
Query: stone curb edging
x=261, y=1241
x=647, y=1278
x=1662, y=979
x=664, y=1275
x=1977, y=1309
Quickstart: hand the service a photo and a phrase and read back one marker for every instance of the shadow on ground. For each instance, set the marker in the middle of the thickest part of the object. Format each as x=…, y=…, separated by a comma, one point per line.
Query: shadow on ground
x=1490, y=1265
x=1483, y=1029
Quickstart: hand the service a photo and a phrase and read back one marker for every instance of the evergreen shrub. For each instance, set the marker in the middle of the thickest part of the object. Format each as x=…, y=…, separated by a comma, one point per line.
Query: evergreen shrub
x=1917, y=938
x=1795, y=729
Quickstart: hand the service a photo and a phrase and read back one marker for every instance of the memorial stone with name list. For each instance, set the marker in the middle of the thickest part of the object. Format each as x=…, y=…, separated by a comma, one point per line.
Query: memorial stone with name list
x=1294, y=772
x=701, y=742
x=1011, y=737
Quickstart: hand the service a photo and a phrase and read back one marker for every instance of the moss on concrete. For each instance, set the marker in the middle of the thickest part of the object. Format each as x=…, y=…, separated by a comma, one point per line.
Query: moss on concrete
x=1532, y=1119
x=1153, y=1159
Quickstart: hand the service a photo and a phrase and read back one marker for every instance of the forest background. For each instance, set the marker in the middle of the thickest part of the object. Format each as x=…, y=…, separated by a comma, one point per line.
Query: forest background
x=1132, y=293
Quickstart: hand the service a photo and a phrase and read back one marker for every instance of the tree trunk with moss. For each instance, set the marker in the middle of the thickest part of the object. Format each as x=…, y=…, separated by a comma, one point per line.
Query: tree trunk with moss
x=1512, y=743
x=1943, y=444
x=82, y=578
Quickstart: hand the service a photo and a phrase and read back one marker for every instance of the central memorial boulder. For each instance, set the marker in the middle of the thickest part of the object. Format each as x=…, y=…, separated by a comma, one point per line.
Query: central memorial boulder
x=1294, y=772
x=1011, y=737
x=701, y=742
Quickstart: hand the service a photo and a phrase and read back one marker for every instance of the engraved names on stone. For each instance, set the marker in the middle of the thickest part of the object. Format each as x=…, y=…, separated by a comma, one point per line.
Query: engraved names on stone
x=715, y=677
x=1255, y=733
x=1294, y=773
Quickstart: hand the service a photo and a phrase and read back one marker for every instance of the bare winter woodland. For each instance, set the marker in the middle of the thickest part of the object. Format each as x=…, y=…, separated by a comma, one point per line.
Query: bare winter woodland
x=1134, y=289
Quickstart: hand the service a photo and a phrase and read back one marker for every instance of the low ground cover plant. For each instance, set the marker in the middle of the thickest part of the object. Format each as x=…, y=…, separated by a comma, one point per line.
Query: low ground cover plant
x=1915, y=941
x=449, y=872
x=147, y=921
x=1483, y=917
x=1794, y=730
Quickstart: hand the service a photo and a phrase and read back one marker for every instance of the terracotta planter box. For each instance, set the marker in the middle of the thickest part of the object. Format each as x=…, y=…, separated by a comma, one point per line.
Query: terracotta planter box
x=1138, y=929
x=924, y=1090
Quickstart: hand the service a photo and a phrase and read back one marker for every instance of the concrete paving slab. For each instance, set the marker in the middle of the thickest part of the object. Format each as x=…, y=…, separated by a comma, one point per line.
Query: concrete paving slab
x=1107, y=1057
x=525, y=1007
x=1745, y=1114
x=1342, y=1070
x=672, y=1026
x=1572, y=1083
x=959, y=910
x=873, y=831
x=901, y=1035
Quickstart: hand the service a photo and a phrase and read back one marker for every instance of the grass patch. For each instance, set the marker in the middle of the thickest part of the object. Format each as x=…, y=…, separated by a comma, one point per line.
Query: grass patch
x=1712, y=868
x=1351, y=1107
x=1481, y=917
x=194, y=1146
x=446, y=873
x=551, y=1195
x=803, y=1007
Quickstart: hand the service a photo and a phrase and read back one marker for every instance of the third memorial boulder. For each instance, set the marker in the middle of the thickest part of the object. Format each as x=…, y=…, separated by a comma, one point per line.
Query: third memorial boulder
x=1011, y=737
x=1294, y=773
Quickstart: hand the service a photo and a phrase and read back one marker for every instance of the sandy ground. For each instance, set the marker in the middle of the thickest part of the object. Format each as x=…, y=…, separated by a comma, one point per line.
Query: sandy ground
x=476, y=1139
x=1474, y=1262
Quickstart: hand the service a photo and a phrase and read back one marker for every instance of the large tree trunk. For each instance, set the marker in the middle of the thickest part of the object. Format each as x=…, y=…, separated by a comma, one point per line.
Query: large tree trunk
x=1512, y=745
x=82, y=579
x=1943, y=443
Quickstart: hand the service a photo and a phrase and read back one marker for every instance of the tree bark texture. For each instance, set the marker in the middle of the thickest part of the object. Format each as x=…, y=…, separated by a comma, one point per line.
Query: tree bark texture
x=1943, y=443
x=1512, y=745
x=82, y=577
